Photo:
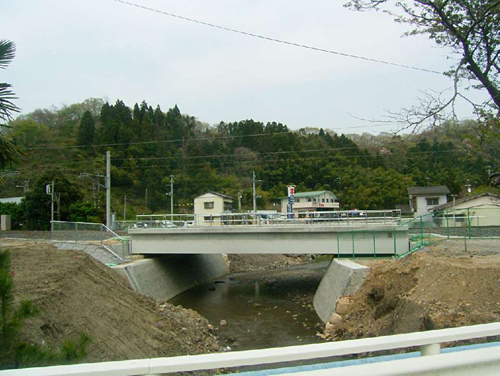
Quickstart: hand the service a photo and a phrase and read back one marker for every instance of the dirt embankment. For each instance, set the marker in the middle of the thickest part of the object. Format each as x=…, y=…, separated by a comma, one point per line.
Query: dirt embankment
x=440, y=287
x=77, y=294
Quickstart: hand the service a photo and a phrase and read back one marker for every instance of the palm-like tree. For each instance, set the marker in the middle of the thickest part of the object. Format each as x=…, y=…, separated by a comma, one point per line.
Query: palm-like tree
x=8, y=150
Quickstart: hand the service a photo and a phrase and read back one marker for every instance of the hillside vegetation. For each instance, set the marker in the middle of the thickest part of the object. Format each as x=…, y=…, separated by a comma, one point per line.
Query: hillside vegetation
x=148, y=145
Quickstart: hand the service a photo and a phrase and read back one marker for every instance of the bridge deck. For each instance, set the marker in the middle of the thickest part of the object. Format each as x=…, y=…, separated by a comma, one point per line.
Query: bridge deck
x=312, y=239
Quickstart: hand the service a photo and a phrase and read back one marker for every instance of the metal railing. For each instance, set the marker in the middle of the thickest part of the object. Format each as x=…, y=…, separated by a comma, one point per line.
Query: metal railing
x=429, y=343
x=467, y=224
x=93, y=234
x=346, y=218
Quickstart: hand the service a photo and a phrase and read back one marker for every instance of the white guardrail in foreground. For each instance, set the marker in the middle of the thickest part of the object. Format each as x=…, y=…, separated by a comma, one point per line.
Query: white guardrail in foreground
x=429, y=343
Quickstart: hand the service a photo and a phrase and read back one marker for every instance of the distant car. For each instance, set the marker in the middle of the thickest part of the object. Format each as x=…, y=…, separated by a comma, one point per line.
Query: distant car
x=168, y=224
x=189, y=224
x=140, y=225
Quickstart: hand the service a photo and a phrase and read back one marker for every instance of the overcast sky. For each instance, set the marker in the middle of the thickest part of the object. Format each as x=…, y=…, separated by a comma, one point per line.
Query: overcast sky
x=71, y=50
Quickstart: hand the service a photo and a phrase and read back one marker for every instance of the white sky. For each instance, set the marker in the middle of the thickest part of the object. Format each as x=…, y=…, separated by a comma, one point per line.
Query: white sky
x=71, y=50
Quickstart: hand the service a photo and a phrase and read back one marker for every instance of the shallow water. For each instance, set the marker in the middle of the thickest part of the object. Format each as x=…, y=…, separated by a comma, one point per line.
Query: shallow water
x=270, y=309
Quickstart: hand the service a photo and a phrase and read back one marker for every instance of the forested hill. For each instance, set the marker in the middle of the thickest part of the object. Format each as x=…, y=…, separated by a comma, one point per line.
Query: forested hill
x=148, y=145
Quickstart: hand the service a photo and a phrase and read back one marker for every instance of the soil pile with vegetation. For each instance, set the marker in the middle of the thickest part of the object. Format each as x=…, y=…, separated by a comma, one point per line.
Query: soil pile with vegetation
x=77, y=295
x=444, y=286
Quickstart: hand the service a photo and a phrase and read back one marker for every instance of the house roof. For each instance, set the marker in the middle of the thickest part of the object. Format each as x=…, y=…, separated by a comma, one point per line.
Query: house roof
x=311, y=194
x=430, y=190
x=218, y=194
x=462, y=200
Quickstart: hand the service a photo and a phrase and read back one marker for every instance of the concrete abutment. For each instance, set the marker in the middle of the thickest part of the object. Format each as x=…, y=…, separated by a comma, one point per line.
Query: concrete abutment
x=164, y=277
x=342, y=277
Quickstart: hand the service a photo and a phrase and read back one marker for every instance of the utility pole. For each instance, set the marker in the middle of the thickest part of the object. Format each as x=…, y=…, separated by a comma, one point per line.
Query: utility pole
x=125, y=208
x=171, y=197
x=239, y=201
x=97, y=181
x=254, y=196
x=49, y=189
x=108, y=189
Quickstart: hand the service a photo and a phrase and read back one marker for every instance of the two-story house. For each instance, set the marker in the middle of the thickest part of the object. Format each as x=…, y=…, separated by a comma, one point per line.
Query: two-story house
x=311, y=201
x=423, y=199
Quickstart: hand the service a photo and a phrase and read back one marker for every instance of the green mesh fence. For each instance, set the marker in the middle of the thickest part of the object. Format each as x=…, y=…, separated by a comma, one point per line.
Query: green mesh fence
x=468, y=223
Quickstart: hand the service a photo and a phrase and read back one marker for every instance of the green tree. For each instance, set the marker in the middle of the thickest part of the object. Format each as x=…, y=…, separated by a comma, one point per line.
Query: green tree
x=27, y=133
x=37, y=203
x=8, y=151
x=86, y=131
x=83, y=212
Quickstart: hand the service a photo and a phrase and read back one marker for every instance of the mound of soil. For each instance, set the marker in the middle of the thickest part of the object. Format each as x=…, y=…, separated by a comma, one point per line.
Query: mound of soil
x=245, y=263
x=435, y=288
x=77, y=294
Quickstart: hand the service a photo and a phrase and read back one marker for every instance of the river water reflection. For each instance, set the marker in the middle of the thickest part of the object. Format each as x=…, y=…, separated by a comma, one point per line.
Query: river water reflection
x=267, y=309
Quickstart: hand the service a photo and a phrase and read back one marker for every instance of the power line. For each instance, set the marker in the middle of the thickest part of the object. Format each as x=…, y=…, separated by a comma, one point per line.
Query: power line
x=277, y=40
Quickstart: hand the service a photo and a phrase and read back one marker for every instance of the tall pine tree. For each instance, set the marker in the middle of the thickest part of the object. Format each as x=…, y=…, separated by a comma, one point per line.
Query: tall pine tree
x=86, y=130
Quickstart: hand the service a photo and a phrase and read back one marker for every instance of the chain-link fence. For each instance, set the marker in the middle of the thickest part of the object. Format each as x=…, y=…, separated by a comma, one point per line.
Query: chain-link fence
x=92, y=234
x=467, y=223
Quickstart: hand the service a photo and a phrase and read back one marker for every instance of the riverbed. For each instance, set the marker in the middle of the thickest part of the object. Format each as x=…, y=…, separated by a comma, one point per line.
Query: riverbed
x=260, y=310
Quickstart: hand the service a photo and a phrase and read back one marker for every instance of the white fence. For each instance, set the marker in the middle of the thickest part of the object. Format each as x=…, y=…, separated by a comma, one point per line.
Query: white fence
x=429, y=342
x=324, y=218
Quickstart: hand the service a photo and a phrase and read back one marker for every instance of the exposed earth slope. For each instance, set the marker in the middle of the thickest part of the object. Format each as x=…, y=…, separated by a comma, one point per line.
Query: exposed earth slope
x=438, y=287
x=79, y=295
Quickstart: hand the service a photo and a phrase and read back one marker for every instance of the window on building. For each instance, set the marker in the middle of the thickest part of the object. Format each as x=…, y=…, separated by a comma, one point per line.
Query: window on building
x=309, y=200
x=322, y=200
x=208, y=205
x=432, y=201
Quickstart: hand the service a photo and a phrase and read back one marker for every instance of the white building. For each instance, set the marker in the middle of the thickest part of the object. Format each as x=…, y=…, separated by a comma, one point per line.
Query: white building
x=11, y=200
x=311, y=201
x=209, y=207
x=478, y=210
x=423, y=199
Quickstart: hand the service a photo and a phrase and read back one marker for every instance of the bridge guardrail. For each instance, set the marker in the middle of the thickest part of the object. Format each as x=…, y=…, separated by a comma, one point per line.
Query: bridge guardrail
x=429, y=343
x=344, y=218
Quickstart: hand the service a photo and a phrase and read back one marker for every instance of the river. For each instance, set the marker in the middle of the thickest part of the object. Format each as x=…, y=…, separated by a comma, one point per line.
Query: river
x=264, y=309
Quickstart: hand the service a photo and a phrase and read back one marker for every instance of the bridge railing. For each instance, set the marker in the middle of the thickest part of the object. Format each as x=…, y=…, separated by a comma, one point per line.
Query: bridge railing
x=429, y=343
x=344, y=218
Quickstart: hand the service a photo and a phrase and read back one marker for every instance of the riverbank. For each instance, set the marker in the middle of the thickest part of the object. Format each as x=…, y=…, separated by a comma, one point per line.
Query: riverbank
x=442, y=286
x=445, y=285
x=77, y=294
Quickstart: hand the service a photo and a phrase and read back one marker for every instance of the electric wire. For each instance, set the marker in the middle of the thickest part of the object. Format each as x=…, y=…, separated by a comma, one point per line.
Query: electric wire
x=277, y=40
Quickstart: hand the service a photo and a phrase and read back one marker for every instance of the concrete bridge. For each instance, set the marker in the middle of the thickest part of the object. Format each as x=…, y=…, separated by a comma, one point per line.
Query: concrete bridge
x=356, y=240
x=188, y=256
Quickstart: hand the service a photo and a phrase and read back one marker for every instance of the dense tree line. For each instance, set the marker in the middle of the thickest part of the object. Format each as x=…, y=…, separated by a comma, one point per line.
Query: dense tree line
x=148, y=145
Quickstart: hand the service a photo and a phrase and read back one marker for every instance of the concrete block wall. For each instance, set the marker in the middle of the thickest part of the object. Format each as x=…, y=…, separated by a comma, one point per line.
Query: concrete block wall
x=341, y=278
x=164, y=277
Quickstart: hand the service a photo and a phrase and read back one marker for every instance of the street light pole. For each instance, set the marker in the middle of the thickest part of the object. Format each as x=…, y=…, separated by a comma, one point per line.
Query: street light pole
x=108, y=189
x=254, y=197
x=171, y=197
x=125, y=208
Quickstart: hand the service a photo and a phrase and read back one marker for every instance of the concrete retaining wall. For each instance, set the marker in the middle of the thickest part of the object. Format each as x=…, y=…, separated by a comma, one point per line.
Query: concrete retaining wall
x=341, y=278
x=167, y=276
